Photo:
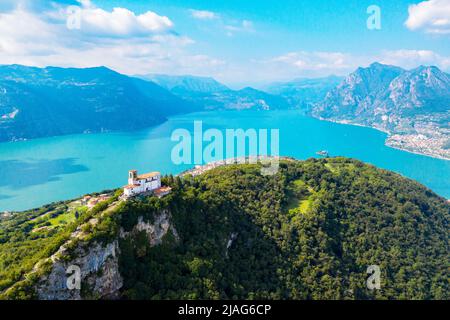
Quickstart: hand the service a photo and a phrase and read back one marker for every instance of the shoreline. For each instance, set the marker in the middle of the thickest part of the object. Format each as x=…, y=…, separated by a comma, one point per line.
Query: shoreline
x=386, y=141
x=344, y=122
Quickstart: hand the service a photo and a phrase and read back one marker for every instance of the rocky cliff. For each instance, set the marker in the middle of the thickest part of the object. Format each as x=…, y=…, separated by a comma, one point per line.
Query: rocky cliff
x=91, y=269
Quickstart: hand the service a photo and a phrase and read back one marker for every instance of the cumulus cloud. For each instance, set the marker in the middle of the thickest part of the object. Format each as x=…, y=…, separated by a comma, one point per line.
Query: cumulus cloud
x=203, y=14
x=119, y=39
x=120, y=22
x=315, y=62
x=432, y=16
x=319, y=63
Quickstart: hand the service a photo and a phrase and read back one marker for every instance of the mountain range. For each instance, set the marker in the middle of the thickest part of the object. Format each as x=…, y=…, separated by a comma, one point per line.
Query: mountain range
x=412, y=106
x=209, y=94
x=39, y=102
x=303, y=93
x=381, y=93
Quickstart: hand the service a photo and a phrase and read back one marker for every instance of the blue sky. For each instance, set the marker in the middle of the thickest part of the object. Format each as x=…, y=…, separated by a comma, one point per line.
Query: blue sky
x=236, y=41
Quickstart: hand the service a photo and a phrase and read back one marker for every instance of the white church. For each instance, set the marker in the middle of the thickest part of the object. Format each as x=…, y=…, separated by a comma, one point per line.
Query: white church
x=138, y=184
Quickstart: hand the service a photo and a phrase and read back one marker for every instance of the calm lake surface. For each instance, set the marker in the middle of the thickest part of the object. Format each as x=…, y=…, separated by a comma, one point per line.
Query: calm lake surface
x=36, y=172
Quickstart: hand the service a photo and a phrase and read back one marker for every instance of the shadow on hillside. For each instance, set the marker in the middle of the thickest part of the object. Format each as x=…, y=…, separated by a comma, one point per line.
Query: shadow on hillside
x=18, y=174
x=247, y=266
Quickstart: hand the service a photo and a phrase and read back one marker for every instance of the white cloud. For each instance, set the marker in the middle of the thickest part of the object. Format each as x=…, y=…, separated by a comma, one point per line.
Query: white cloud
x=36, y=34
x=432, y=16
x=119, y=22
x=410, y=59
x=23, y=33
x=241, y=26
x=316, y=61
x=231, y=26
x=203, y=14
x=122, y=22
x=41, y=38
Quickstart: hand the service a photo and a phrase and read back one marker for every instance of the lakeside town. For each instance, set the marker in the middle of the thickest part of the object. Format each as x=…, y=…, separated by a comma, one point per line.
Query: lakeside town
x=424, y=136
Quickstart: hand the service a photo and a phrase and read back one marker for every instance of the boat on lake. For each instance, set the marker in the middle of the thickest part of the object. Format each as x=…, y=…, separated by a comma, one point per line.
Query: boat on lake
x=323, y=153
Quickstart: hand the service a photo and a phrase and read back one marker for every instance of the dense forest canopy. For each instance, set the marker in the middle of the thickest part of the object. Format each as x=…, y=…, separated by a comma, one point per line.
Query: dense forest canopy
x=308, y=232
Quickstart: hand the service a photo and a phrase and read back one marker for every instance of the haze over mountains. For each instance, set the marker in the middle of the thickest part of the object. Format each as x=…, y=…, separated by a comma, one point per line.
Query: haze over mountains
x=304, y=93
x=209, y=94
x=412, y=105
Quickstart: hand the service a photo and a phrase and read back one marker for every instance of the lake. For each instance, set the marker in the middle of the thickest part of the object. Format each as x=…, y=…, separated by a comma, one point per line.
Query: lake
x=40, y=171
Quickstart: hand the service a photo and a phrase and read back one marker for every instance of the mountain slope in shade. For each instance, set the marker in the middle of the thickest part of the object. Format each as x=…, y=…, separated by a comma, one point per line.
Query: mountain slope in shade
x=412, y=106
x=303, y=93
x=37, y=102
x=209, y=94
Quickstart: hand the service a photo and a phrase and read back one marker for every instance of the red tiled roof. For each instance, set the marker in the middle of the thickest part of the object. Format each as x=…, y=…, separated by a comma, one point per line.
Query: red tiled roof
x=162, y=190
x=149, y=175
x=131, y=186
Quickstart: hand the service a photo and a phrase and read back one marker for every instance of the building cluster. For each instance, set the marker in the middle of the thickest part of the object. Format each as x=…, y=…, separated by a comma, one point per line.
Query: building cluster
x=145, y=183
x=91, y=201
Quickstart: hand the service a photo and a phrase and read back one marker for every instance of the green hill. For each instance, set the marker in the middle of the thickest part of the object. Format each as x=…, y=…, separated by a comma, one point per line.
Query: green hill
x=308, y=232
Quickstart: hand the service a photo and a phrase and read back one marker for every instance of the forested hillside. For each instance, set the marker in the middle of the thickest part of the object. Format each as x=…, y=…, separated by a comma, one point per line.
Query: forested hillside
x=41, y=102
x=308, y=232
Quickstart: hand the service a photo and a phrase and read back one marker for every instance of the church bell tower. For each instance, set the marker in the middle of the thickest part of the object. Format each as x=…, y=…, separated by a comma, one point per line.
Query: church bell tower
x=132, y=176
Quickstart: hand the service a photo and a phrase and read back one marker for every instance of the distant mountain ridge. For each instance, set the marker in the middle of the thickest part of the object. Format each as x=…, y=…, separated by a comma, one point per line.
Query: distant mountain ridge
x=384, y=90
x=412, y=105
x=39, y=102
x=188, y=83
x=210, y=94
x=303, y=93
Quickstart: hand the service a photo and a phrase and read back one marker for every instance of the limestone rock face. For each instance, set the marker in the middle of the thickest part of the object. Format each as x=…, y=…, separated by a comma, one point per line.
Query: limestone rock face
x=96, y=265
x=155, y=231
x=99, y=275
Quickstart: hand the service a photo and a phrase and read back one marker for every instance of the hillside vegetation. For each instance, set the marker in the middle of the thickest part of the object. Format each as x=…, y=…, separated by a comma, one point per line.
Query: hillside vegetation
x=308, y=232
x=41, y=102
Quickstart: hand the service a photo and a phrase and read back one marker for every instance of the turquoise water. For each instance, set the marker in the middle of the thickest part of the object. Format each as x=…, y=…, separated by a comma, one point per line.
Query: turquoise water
x=36, y=172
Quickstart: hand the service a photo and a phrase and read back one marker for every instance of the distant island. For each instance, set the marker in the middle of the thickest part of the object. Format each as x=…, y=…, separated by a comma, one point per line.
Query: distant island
x=411, y=106
x=226, y=231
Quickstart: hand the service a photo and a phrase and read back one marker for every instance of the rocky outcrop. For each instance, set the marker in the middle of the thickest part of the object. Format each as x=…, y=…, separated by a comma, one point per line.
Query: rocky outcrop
x=92, y=273
x=91, y=269
x=155, y=231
